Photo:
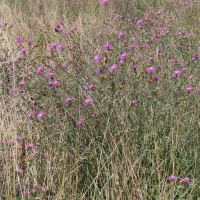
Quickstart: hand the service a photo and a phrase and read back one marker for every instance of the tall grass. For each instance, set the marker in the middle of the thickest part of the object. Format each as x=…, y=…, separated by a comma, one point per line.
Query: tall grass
x=84, y=120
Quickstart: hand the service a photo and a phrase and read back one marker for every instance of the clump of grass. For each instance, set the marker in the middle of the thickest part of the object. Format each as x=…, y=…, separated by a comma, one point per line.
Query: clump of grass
x=100, y=102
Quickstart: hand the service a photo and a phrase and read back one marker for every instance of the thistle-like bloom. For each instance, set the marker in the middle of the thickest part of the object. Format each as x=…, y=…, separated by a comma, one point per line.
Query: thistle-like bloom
x=118, y=16
x=60, y=47
x=97, y=58
x=105, y=2
x=17, y=169
x=121, y=62
x=31, y=145
x=108, y=46
x=176, y=73
x=99, y=70
x=132, y=47
x=30, y=115
x=19, y=40
x=151, y=69
x=151, y=58
x=88, y=101
x=134, y=67
x=190, y=77
x=18, y=139
x=30, y=41
x=40, y=69
x=69, y=100
x=113, y=68
x=36, y=153
x=51, y=74
x=133, y=102
x=185, y=180
x=26, y=193
x=123, y=56
x=53, y=46
x=155, y=78
x=171, y=178
x=40, y=115
x=22, y=83
x=90, y=86
x=55, y=84
x=188, y=89
x=79, y=123
x=50, y=83
x=139, y=22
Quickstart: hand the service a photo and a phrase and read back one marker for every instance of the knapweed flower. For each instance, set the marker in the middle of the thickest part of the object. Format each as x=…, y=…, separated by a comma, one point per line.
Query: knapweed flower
x=123, y=56
x=39, y=187
x=108, y=46
x=151, y=58
x=79, y=123
x=90, y=86
x=155, y=78
x=113, y=68
x=134, y=102
x=190, y=77
x=22, y=83
x=132, y=47
x=151, y=69
x=19, y=40
x=121, y=62
x=134, y=67
x=40, y=115
x=176, y=73
x=18, y=139
x=17, y=169
x=26, y=193
x=55, y=84
x=30, y=41
x=139, y=22
x=53, y=46
x=99, y=70
x=31, y=145
x=118, y=16
x=88, y=101
x=171, y=178
x=36, y=153
x=185, y=48
x=105, y=2
x=188, y=89
x=60, y=47
x=40, y=69
x=50, y=83
x=30, y=115
x=69, y=100
x=97, y=58
x=185, y=180
x=51, y=74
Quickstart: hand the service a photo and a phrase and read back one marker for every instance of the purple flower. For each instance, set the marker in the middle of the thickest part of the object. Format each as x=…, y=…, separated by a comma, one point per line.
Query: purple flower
x=97, y=58
x=39, y=187
x=113, y=68
x=18, y=139
x=51, y=74
x=61, y=46
x=105, y=2
x=118, y=16
x=171, y=178
x=185, y=180
x=150, y=69
x=23, y=51
x=139, y=22
x=155, y=78
x=151, y=58
x=188, y=89
x=55, y=84
x=22, y=83
x=176, y=73
x=90, y=86
x=88, y=101
x=133, y=102
x=31, y=145
x=69, y=100
x=190, y=77
x=132, y=47
x=108, y=46
x=40, y=115
x=19, y=40
x=134, y=67
x=121, y=62
x=53, y=46
x=40, y=69
x=17, y=169
x=185, y=48
x=123, y=56
x=99, y=70
x=26, y=193
x=30, y=41
x=36, y=153
x=79, y=123
x=30, y=115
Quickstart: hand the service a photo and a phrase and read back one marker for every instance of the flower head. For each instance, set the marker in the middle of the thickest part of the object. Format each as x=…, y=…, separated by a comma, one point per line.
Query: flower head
x=151, y=69
x=69, y=100
x=17, y=169
x=171, y=178
x=134, y=102
x=123, y=56
x=176, y=73
x=79, y=123
x=88, y=101
x=31, y=145
x=97, y=58
x=19, y=40
x=105, y=2
x=40, y=115
x=185, y=180
x=118, y=16
x=113, y=68
x=188, y=89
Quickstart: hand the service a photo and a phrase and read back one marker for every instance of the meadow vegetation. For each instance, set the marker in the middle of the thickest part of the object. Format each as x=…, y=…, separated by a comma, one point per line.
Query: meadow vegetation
x=99, y=99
